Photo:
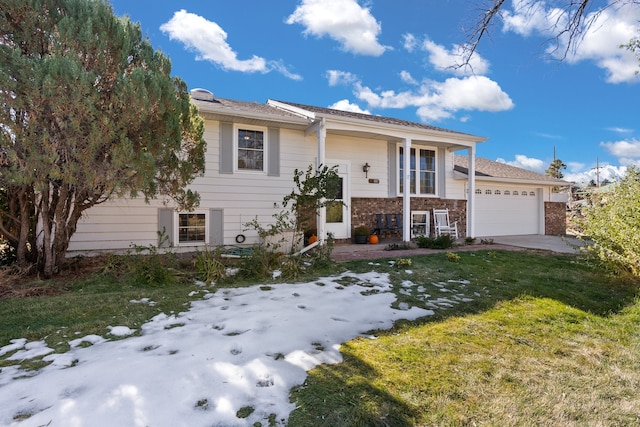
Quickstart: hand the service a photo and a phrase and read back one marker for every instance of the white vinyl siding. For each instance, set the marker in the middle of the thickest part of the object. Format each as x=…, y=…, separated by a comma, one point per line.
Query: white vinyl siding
x=231, y=198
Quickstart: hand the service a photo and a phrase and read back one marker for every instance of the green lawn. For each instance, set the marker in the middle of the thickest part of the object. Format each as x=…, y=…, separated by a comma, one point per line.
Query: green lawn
x=526, y=338
x=548, y=340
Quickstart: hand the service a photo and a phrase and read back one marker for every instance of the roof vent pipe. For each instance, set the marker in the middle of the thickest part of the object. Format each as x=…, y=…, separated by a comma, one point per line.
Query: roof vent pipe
x=201, y=94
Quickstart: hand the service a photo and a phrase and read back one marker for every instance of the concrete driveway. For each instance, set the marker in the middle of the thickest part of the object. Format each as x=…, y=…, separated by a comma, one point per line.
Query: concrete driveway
x=563, y=244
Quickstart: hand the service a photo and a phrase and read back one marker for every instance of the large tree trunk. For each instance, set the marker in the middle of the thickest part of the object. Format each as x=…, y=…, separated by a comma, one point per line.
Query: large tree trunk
x=24, y=223
x=59, y=215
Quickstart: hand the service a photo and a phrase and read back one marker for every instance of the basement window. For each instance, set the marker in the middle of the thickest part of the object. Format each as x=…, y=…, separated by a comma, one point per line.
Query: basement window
x=192, y=228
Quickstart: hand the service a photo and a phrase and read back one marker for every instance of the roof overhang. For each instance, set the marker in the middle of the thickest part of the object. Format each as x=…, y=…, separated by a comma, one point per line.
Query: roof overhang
x=380, y=130
x=483, y=178
x=214, y=111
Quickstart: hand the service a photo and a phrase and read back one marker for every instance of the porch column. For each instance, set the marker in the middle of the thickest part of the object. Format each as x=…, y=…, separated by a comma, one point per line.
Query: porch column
x=406, y=193
x=321, y=220
x=471, y=198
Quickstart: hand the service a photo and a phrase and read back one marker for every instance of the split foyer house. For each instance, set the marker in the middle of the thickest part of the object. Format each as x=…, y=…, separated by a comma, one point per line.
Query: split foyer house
x=385, y=165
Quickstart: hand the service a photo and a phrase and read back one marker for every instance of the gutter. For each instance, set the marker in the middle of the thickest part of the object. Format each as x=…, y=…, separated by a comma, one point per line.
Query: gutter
x=464, y=176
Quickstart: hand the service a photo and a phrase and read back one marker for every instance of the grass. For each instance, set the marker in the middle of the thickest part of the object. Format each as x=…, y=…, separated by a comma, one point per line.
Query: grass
x=516, y=338
x=89, y=306
x=547, y=340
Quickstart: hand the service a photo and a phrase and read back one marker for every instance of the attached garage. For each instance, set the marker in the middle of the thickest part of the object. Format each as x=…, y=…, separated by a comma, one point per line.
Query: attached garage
x=510, y=200
x=508, y=210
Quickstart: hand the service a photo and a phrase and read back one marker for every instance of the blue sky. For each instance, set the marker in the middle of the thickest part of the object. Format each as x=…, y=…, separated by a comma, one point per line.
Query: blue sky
x=394, y=58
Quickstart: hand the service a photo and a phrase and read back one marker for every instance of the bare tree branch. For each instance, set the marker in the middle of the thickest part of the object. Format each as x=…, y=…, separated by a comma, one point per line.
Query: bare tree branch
x=568, y=30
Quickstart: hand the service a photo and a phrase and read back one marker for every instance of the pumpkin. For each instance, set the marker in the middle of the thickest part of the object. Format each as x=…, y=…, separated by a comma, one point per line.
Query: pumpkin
x=373, y=239
x=312, y=239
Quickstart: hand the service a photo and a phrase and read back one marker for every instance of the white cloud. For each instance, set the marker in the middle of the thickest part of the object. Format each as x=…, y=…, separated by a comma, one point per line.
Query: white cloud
x=409, y=42
x=575, y=167
x=440, y=100
x=450, y=60
x=623, y=149
x=406, y=77
x=620, y=130
x=548, y=135
x=337, y=77
x=525, y=162
x=209, y=41
x=599, y=174
x=626, y=162
x=530, y=17
x=605, y=31
x=345, y=21
x=345, y=105
x=472, y=93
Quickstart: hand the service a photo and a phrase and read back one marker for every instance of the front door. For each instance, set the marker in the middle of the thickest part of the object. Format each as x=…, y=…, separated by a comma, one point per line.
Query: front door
x=339, y=212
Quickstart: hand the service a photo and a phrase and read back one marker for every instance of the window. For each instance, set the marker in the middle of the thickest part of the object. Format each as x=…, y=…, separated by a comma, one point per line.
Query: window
x=497, y=192
x=507, y=193
x=422, y=169
x=487, y=191
x=532, y=193
x=478, y=191
x=251, y=149
x=192, y=228
x=515, y=192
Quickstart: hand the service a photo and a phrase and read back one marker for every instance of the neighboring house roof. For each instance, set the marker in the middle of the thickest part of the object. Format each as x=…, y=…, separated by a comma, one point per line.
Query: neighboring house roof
x=488, y=170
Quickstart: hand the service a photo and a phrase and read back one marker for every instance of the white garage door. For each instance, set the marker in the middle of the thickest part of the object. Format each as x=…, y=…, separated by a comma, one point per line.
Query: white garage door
x=503, y=210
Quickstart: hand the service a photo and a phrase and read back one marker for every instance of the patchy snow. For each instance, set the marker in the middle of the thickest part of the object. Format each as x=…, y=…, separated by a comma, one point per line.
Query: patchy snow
x=234, y=349
x=120, y=331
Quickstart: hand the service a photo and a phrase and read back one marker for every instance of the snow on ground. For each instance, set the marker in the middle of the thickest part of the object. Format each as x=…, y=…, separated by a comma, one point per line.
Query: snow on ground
x=236, y=348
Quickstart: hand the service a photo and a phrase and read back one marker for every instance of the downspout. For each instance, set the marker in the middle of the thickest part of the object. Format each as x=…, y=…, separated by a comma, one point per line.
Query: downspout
x=471, y=198
x=321, y=220
x=406, y=193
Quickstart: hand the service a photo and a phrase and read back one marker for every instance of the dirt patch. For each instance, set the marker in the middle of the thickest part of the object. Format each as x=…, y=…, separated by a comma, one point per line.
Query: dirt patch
x=23, y=283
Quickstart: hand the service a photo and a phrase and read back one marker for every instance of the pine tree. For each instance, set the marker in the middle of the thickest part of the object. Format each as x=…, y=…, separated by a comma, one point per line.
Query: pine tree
x=88, y=110
x=555, y=169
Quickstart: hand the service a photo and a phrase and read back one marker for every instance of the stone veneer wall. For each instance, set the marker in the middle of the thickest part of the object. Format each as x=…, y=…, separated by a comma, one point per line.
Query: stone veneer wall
x=364, y=210
x=555, y=218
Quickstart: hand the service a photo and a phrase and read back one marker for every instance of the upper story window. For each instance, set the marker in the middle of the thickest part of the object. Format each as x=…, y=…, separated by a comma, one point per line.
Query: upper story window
x=250, y=149
x=422, y=169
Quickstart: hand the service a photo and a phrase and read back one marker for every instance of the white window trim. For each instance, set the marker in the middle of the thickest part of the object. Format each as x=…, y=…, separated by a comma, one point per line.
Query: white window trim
x=265, y=143
x=399, y=166
x=176, y=228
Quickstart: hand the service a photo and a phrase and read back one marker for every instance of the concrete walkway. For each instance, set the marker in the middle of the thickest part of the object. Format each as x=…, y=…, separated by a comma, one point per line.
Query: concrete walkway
x=560, y=244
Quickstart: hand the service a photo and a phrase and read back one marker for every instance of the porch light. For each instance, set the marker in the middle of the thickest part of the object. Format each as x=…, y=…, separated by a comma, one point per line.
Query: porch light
x=365, y=169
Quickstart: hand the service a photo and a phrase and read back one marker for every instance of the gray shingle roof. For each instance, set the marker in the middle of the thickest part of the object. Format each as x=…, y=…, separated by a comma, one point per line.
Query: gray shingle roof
x=243, y=107
x=368, y=117
x=489, y=168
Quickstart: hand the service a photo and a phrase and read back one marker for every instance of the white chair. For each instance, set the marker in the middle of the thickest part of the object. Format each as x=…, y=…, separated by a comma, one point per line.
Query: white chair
x=442, y=224
x=420, y=224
